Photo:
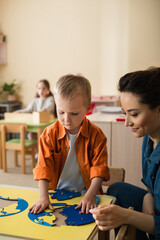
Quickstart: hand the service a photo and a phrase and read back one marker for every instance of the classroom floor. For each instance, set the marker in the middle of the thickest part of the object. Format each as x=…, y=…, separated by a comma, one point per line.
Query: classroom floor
x=14, y=177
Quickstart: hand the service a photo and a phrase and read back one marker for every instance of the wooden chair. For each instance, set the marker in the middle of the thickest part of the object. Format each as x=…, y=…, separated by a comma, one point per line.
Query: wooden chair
x=126, y=232
x=116, y=175
x=18, y=145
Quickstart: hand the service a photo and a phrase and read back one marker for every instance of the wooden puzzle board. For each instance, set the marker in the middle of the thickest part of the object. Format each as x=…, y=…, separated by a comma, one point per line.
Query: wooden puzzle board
x=20, y=225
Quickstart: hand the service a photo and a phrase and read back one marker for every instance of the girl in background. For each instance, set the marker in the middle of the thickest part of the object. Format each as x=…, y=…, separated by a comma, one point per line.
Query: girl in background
x=43, y=100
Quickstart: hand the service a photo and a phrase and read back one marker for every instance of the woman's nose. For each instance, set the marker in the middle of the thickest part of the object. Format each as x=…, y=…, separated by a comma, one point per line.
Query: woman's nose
x=128, y=122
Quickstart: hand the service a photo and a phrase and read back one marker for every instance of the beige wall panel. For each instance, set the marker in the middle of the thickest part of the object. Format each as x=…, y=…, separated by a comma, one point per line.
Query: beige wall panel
x=106, y=128
x=126, y=153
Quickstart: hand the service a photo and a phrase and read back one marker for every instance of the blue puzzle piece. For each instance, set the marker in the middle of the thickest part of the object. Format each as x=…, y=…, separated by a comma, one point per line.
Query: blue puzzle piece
x=38, y=218
x=75, y=217
x=97, y=200
x=61, y=194
x=21, y=206
x=58, y=204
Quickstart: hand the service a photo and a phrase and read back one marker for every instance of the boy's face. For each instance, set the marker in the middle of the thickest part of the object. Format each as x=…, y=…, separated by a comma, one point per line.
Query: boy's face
x=71, y=112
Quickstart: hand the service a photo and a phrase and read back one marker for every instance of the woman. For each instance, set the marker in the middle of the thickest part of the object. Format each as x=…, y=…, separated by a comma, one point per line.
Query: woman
x=140, y=100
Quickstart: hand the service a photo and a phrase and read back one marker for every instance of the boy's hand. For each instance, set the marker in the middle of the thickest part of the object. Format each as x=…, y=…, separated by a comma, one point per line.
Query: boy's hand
x=41, y=205
x=87, y=203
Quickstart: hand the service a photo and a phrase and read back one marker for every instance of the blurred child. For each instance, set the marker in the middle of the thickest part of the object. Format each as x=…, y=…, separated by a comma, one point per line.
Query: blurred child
x=73, y=152
x=43, y=100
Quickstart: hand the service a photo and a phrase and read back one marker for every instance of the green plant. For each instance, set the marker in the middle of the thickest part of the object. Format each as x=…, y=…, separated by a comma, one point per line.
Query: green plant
x=11, y=88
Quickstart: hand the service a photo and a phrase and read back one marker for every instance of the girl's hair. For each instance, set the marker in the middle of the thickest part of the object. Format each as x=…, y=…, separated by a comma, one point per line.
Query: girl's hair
x=145, y=84
x=46, y=83
x=70, y=85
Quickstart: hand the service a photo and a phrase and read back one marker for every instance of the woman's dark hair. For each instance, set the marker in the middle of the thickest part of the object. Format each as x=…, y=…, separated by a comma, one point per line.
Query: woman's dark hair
x=46, y=83
x=145, y=84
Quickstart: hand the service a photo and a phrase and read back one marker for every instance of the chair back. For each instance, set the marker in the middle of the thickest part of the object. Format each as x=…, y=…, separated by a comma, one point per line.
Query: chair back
x=116, y=175
x=126, y=232
x=11, y=127
x=21, y=145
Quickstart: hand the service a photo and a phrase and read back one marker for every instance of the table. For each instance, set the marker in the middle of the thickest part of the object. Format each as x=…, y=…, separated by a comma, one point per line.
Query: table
x=32, y=127
x=20, y=225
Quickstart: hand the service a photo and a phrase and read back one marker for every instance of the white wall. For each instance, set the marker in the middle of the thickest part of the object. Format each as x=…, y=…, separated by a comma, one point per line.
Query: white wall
x=47, y=39
x=114, y=43
x=101, y=39
x=144, y=34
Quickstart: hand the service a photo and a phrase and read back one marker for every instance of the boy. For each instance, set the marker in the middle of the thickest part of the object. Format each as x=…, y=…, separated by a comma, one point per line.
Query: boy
x=73, y=152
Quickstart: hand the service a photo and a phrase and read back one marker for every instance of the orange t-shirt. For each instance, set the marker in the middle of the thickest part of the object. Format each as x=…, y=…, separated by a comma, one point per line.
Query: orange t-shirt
x=91, y=153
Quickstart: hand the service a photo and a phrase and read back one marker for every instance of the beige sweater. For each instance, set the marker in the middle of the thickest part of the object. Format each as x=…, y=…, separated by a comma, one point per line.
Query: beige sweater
x=39, y=104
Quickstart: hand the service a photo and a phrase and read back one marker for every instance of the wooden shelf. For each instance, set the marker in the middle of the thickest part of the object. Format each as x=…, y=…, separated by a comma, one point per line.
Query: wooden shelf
x=9, y=107
x=3, y=53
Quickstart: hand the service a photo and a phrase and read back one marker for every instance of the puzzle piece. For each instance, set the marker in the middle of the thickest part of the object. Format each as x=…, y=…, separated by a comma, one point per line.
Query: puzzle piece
x=46, y=218
x=97, y=200
x=75, y=217
x=61, y=194
x=14, y=208
x=58, y=205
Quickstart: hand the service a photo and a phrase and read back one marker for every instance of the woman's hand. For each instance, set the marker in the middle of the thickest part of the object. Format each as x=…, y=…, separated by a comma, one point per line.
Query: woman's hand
x=112, y=216
x=87, y=202
x=148, y=204
x=108, y=216
x=40, y=206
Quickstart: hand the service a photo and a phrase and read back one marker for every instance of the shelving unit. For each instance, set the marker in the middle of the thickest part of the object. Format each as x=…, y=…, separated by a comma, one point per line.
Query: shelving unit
x=106, y=100
x=124, y=150
x=9, y=107
x=3, y=53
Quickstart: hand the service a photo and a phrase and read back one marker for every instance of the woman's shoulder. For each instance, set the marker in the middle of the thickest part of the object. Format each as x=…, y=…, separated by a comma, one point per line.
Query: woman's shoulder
x=146, y=142
x=146, y=139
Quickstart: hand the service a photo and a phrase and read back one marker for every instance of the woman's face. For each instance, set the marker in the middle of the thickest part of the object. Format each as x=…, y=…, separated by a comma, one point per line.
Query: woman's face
x=139, y=117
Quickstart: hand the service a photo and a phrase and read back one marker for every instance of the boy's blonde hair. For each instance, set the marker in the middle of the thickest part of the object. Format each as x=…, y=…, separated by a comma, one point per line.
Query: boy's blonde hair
x=68, y=86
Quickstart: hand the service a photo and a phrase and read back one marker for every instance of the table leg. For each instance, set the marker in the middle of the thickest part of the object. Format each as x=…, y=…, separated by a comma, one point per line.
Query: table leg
x=38, y=135
x=0, y=152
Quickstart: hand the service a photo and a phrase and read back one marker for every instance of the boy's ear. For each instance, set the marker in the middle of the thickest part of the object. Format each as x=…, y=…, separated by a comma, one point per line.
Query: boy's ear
x=158, y=109
x=89, y=107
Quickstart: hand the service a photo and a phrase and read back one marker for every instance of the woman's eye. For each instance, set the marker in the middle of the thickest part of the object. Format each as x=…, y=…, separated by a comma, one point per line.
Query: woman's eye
x=134, y=114
x=61, y=112
x=123, y=113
